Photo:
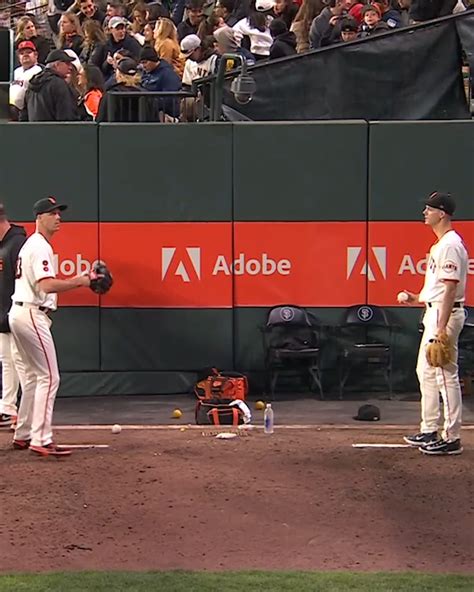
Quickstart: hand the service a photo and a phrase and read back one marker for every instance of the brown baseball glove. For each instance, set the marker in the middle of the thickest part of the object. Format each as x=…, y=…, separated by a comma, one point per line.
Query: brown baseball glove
x=439, y=351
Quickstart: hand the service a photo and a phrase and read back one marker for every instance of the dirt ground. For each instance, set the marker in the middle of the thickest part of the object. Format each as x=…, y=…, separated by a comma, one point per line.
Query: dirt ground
x=298, y=499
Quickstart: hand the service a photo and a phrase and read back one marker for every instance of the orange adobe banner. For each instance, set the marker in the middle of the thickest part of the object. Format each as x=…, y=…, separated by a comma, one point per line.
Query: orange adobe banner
x=220, y=264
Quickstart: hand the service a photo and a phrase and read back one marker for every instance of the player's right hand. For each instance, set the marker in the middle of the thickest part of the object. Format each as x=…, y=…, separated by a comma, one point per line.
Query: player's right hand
x=412, y=297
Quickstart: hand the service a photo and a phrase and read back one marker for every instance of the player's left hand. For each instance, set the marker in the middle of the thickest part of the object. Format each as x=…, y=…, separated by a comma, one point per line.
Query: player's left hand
x=101, y=279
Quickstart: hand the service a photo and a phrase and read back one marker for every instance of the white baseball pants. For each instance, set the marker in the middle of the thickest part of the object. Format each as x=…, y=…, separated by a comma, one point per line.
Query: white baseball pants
x=31, y=329
x=12, y=366
x=440, y=381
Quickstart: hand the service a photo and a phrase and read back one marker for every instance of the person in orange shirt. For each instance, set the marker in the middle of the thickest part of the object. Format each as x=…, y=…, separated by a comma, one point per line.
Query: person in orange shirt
x=92, y=84
x=167, y=46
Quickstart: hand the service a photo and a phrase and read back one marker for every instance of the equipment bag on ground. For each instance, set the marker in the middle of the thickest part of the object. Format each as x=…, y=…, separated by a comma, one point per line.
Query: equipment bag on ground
x=219, y=412
x=225, y=385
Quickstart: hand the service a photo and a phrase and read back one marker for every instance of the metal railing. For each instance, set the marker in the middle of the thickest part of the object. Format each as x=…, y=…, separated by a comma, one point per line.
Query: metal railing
x=155, y=107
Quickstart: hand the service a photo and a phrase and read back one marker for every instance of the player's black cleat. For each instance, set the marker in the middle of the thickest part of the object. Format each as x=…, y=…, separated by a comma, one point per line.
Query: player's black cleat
x=7, y=421
x=421, y=439
x=442, y=447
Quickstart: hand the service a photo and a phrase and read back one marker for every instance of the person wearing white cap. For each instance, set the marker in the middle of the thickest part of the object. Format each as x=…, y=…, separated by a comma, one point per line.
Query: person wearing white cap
x=119, y=38
x=256, y=27
x=200, y=58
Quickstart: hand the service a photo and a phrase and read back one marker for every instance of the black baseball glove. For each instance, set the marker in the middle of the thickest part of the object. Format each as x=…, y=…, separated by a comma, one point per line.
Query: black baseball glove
x=101, y=278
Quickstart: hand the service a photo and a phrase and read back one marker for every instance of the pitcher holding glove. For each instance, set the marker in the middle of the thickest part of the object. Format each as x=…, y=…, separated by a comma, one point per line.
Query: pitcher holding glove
x=443, y=294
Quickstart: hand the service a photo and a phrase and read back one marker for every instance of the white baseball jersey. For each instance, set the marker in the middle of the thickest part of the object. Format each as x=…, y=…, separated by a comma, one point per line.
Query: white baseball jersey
x=35, y=263
x=447, y=261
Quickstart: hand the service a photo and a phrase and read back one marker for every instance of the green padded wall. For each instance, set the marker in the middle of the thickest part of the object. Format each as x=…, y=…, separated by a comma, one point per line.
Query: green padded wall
x=165, y=339
x=409, y=160
x=42, y=159
x=300, y=170
x=165, y=172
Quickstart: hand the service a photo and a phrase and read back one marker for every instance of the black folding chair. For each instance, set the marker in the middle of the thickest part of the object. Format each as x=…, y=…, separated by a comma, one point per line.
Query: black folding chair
x=365, y=338
x=292, y=344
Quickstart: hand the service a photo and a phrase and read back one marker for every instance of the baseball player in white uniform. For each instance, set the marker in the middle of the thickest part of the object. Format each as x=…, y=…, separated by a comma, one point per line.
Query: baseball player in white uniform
x=443, y=294
x=34, y=299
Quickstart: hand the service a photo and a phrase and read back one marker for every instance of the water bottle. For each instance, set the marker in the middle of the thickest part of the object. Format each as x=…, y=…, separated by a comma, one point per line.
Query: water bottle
x=268, y=419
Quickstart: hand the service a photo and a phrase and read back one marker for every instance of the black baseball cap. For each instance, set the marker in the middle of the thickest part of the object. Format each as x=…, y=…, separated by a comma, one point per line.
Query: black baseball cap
x=368, y=413
x=46, y=205
x=58, y=55
x=149, y=54
x=441, y=201
x=128, y=66
x=349, y=24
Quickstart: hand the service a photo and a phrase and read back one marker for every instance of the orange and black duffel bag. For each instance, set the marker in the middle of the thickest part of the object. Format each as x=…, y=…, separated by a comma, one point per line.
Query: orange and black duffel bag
x=216, y=396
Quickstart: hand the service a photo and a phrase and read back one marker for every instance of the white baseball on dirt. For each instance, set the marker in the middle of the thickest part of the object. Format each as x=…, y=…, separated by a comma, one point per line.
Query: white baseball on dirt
x=402, y=297
x=116, y=428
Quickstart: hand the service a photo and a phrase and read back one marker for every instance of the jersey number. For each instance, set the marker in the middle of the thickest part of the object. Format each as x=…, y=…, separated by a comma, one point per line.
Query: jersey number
x=18, y=268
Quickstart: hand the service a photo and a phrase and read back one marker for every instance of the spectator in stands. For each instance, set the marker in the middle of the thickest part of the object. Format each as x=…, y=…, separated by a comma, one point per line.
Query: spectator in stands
x=118, y=55
x=284, y=41
x=91, y=84
x=119, y=39
x=73, y=77
x=70, y=33
x=115, y=8
x=227, y=42
x=390, y=15
x=355, y=11
x=425, y=10
x=227, y=9
x=37, y=9
x=286, y=10
x=194, y=16
x=210, y=24
x=138, y=18
x=308, y=11
x=94, y=50
x=159, y=76
x=155, y=11
x=404, y=9
x=26, y=31
x=29, y=67
x=200, y=57
x=167, y=46
x=326, y=27
x=256, y=27
x=149, y=34
x=49, y=98
x=88, y=11
x=372, y=21
x=128, y=80
x=349, y=30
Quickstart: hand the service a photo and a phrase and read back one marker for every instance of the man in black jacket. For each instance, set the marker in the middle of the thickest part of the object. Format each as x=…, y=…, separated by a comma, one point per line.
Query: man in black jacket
x=12, y=238
x=49, y=97
x=119, y=39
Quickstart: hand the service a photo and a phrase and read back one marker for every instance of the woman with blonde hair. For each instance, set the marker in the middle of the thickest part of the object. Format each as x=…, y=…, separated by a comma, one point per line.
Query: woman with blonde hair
x=308, y=11
x=167, y=46
x=93, y=49
x=70, y=32
x=26, y=31
x=128, y=79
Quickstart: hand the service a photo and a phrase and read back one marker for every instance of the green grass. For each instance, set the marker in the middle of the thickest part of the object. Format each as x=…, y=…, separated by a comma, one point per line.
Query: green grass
x=180, y=581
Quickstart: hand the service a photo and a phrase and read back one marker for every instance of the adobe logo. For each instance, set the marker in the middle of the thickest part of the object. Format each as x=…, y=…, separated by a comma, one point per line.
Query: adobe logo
x=375, y=264
x=184, y=265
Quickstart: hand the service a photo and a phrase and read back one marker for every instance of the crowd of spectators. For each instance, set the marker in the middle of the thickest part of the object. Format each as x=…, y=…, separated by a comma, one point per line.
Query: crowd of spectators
x=71, y=53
